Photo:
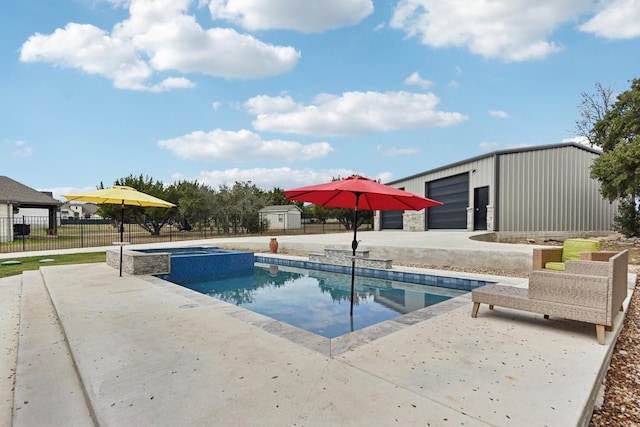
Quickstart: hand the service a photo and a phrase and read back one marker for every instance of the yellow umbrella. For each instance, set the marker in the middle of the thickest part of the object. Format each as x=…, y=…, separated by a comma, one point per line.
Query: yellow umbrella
x=119, y=195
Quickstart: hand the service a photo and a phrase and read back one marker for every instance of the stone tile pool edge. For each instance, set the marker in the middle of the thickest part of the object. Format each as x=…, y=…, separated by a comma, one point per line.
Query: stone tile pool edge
x=336, y=346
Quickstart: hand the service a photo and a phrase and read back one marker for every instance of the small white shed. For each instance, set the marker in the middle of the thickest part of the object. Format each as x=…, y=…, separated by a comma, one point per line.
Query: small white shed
x=282, y=217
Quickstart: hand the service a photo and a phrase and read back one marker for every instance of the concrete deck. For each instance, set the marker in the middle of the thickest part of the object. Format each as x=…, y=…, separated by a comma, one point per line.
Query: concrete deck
x=97, y=349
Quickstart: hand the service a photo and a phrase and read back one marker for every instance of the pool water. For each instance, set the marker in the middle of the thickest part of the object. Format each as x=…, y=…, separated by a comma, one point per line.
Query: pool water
x=319, y=301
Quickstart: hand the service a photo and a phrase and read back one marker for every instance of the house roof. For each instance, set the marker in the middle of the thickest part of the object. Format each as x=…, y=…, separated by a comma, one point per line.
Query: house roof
x=280, y=208
x=20, y=195
x=499, y=153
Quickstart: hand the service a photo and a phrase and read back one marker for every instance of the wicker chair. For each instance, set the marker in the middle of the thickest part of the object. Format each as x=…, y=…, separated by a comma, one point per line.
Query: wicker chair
x=587, y=291
x=572, y=249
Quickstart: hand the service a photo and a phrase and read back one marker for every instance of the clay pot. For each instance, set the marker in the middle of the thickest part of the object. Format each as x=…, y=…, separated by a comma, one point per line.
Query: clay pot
x=273, y=245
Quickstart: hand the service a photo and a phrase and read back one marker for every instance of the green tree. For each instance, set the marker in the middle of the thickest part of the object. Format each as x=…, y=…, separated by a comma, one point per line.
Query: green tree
x=196, y=204
x=236, y=208
x=618, y=133
x=275, y=197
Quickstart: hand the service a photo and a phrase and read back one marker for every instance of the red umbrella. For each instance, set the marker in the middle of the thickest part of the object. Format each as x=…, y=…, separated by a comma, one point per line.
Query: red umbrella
x=357, y=192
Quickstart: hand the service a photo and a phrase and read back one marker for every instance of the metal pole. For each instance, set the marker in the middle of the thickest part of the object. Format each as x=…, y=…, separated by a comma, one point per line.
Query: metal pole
x=121, y=235
x=354, y=246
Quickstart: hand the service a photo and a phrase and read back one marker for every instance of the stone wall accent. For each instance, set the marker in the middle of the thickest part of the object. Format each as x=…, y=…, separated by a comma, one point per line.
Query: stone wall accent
x=137, y=263
x=490, y=226
x=343, y=257
x=413, y=220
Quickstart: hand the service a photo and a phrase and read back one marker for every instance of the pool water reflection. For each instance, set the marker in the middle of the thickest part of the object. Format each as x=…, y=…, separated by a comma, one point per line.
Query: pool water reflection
x=318, y=301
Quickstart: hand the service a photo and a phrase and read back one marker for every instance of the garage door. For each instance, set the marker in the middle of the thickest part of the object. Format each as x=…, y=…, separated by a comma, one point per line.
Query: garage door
x=391, y=220
x=453, y=192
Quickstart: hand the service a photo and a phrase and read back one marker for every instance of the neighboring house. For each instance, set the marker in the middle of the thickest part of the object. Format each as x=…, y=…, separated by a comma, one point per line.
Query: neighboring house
x=534, y=191
x=79, y=211
x=282, y=217
x=15, y=196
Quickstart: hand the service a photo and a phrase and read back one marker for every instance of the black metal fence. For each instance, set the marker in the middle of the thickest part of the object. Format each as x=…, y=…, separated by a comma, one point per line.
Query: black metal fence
x=33, y=233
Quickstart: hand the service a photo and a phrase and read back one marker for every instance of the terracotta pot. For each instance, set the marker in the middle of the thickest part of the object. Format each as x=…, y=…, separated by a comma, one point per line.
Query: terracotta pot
x=273, y=245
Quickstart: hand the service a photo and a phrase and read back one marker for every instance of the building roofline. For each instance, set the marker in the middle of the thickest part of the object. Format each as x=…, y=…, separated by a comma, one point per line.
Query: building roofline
x=500, y=153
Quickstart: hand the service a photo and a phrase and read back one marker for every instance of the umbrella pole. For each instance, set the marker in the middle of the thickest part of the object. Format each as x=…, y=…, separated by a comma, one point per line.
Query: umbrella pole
x=354, y=246
x=121, y=234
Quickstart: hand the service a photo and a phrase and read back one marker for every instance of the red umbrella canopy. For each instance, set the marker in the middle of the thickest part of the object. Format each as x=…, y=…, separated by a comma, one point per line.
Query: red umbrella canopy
x=373, y=195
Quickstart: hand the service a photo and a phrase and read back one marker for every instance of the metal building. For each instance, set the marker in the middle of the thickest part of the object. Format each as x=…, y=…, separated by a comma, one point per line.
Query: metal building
x=534, y=191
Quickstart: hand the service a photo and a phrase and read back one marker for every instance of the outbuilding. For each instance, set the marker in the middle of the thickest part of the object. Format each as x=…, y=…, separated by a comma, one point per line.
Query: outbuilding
x=282, y=217
x=534, y=191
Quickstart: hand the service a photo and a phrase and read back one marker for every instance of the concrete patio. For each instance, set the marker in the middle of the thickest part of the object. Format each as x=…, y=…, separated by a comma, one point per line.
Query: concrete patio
x=91, y=348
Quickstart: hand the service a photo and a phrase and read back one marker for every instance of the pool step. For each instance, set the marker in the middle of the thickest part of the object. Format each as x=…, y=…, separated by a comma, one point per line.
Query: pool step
x=47, y=389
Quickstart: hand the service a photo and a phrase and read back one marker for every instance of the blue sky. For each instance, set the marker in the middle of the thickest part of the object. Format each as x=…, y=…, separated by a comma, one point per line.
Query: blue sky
x=288, y=93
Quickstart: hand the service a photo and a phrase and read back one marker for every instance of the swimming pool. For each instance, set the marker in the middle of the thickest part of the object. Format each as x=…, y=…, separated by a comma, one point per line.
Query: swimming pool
x=318, y=301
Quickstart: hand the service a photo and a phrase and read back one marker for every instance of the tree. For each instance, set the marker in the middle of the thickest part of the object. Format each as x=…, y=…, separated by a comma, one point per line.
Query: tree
x=276, y=197
x=618, y=133
x=195, y=204
x=237, y=207
x=593, y=108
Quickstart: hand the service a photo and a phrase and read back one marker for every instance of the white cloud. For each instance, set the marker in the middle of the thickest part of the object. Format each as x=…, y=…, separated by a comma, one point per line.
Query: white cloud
x=515, y=30
x=488, y=145
x=21, y=149
x=306, y=16
x=416, y=80
x=394, y=151
x=617, y=19
x=268, y=178
x=454, y=84
x=159, y=37
x=499, y=114
x=92, y=50
x=215, y=105
x=350, y=113
x=263, y=104
x=243, y=145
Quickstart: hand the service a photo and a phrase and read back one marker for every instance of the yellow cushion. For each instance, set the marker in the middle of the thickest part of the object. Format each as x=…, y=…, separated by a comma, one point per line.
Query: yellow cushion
x=571, y=248
x=559, y=266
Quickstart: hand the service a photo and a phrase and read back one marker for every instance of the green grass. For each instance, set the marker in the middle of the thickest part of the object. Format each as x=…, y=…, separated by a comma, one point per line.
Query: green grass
x=33, y=262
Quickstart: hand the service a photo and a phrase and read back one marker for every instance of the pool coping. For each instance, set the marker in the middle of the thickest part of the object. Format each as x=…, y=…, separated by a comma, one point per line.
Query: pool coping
x=333, y=347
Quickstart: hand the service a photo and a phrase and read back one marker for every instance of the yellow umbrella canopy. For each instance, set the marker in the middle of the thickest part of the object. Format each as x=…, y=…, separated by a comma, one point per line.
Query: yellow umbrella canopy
x=119, y=195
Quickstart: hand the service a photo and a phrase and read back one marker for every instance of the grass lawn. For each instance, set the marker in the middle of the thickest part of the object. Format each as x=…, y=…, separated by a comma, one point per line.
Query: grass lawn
x=34, y=263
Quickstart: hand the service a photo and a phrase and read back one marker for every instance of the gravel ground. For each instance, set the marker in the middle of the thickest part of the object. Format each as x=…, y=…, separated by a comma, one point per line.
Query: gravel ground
x=621, y=406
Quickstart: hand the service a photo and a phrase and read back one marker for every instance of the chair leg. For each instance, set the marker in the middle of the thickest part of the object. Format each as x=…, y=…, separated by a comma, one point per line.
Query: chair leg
x=546, y=316
x=474, y=311
x=600, y=334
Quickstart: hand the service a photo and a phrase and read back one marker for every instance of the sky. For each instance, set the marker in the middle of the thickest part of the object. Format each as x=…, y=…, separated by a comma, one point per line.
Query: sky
x=286, y=93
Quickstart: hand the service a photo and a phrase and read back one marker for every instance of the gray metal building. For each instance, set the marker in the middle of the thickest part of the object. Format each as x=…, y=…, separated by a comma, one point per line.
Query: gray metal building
x=534, y=191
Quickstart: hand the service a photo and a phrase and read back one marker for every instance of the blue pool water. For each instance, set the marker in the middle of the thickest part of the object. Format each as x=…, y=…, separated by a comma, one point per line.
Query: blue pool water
x=318, y=301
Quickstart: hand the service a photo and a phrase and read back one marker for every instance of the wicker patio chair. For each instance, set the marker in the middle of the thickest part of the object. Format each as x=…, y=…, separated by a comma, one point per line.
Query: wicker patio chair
x=587, y=291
